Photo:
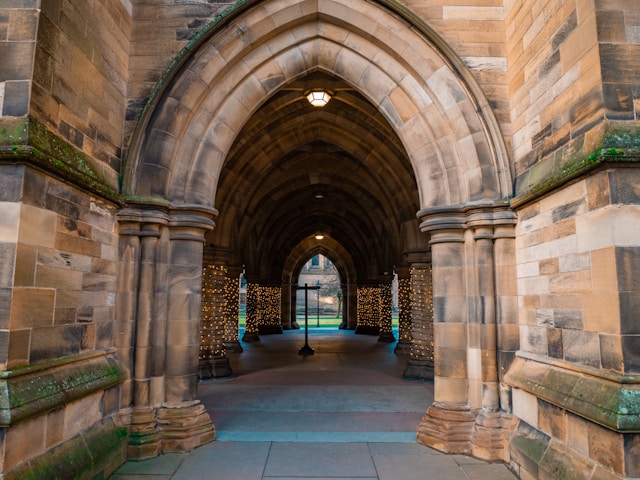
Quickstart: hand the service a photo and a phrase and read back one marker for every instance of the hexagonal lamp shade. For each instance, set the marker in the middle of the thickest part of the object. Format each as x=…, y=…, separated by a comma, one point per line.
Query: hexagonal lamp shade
x=318, y=97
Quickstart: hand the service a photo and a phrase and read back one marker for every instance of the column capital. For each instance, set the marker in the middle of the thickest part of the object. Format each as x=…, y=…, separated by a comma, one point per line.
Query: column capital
x=454, y=219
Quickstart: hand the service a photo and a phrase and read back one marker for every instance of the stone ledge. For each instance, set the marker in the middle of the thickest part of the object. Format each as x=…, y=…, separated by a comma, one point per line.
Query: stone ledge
x=618, y=146
x=95, y=453
x=602, y=397
x=29, y=141
x=35, y=389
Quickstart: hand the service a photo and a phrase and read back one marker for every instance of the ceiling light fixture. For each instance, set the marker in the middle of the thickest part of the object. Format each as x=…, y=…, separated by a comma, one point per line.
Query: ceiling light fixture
x=318, y=97
x=319, y=236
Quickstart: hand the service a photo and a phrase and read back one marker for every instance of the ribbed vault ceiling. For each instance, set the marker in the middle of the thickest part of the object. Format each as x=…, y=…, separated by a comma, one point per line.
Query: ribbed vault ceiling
x=288, y=154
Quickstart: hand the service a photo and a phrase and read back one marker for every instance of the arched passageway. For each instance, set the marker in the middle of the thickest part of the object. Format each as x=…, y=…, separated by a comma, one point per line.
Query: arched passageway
x=230, y=136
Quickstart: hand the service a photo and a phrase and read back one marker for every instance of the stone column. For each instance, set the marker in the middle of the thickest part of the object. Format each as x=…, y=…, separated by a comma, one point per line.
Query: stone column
x=404, y=311
x=420, y=364
x=182, y=421
x=213, y=361
x=492, y=427
x=140, y=232
x=448, y=423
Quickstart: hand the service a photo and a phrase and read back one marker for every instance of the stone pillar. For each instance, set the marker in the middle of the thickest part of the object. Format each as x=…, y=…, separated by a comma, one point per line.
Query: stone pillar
x=420, y=364
x=448, y=423
x=182, y=421
x=140, y=232
x=213, y=361
x=493, y=425
x=404, y=311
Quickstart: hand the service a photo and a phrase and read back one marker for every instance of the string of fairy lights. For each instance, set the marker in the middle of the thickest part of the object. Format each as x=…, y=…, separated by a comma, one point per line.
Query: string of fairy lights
x=368, y=307
x=263, y=306
x=375, y=307
x=231, y=308
x=214, y=314
x=220, y=308
x=404, y=310
x=422, y=314
x=385, y=309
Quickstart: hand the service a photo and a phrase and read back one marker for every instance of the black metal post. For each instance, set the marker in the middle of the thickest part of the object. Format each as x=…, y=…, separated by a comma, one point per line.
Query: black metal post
x=306, y=350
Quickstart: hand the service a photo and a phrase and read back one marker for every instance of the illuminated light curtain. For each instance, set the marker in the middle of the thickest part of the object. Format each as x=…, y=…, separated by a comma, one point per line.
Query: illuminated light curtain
x=368, y=310
x=422, y=314
x=385, y=312
x=404, y=316
x=214, y=306
x=269, y=307
x=231, y=311
x=253, y=313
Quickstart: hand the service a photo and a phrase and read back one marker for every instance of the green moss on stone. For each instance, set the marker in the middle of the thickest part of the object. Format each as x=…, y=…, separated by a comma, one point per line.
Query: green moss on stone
x=30, y=141
x=619, y=144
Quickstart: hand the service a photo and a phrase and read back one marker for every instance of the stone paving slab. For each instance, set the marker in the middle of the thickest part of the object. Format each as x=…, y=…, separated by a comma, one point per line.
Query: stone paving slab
x=284, y=417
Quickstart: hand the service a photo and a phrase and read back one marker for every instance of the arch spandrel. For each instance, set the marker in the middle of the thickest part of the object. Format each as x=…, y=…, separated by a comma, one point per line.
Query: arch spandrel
x=446, y=128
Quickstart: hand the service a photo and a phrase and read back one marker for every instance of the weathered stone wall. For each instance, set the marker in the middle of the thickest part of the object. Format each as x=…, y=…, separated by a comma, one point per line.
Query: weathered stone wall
x=80, y=77
x=576, y=252
x=58, y=247
x=572, y=67
x=18, y=26
x=59, y=268
x=160, y=31
x=577, y=264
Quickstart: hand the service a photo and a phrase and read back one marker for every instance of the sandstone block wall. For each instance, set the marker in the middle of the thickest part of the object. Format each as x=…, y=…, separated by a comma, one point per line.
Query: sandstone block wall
x=80, y=77
x=576, y=252
x=18, y=27
x=59, y=250
x=571, y=80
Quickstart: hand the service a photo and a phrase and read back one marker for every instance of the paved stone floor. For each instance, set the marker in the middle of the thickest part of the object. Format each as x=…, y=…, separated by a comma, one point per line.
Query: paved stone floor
x=344, y=412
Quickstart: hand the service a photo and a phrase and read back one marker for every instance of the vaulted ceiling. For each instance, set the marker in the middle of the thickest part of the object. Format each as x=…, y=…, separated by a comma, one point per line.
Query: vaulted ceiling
x=296, y=170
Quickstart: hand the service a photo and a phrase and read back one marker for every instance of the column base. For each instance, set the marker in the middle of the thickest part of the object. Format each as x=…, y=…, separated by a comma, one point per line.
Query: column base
x=216, y=367
x=250, y=337
x=144, y=439
x=403, y=347
x=418, y=369
x=184, y=426
x=386, y=337
x=491, y=434
x=233, y=346
x=447, y=428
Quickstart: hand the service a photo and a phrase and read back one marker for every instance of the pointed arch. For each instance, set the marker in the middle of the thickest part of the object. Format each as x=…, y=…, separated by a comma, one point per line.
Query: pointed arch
x=392, y=58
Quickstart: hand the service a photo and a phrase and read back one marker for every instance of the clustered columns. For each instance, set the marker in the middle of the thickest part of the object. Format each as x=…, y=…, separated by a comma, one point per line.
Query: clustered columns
x=158, y=330
x=420, y=362
x=470, y=286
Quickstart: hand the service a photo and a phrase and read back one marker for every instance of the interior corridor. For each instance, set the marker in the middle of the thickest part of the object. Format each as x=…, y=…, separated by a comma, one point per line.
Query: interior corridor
x=343, y=412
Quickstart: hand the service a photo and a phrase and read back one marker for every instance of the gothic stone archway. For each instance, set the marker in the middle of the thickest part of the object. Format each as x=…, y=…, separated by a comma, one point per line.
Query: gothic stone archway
x=437, y=125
